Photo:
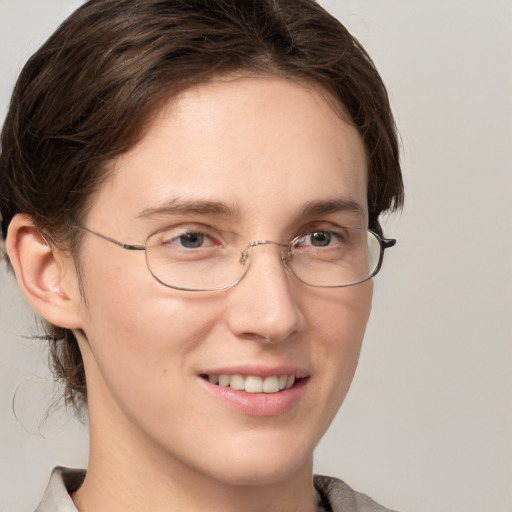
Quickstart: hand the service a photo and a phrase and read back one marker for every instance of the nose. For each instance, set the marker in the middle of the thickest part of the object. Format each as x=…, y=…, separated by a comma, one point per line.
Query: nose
x=265, y=304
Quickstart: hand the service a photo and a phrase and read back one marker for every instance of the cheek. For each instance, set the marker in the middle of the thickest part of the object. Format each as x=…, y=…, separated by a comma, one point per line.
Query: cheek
x=138, y=328
x=141, y=360
x=148, y=326
x=340, y=322
x=341, y=314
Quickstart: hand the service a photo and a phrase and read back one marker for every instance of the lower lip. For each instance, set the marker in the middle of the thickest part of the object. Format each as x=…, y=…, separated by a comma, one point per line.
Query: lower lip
x=259, y=404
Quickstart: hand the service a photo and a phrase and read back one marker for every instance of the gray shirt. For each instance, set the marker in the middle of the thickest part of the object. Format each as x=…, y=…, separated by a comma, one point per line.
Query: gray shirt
x=332, y=494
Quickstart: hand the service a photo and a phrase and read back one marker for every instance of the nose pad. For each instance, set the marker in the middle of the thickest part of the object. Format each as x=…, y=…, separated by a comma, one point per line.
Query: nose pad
x=245, y=256
x=286, y=257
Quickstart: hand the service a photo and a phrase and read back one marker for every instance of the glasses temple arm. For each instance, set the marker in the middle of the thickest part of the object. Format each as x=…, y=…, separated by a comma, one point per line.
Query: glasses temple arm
x=128, y=247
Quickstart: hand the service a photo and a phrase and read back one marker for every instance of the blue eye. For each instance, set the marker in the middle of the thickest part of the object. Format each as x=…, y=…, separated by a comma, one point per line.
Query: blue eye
x=190, y=240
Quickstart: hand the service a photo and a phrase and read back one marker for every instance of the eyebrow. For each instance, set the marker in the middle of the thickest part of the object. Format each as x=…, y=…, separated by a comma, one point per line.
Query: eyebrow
x=201, y=207
x=221, y=208
x=313, y=208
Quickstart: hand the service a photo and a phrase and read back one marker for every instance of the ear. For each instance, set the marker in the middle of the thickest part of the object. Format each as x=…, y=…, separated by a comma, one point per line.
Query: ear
x=46, y=275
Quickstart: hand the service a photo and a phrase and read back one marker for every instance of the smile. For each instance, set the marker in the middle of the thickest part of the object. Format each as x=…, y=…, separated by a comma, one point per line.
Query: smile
x=253, y=383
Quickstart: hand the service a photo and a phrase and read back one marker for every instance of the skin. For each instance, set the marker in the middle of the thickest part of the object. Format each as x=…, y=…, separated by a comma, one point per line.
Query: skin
x=159, y=440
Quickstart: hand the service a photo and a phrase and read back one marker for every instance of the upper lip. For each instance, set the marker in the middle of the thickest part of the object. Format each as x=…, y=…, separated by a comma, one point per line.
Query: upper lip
x=299, y=372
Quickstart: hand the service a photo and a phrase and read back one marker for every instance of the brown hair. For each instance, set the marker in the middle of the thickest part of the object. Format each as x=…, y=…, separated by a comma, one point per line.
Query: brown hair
x=88, y=93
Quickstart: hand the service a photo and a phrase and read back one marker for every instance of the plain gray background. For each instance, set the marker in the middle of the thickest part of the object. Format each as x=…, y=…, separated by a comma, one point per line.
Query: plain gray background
x=427, y=425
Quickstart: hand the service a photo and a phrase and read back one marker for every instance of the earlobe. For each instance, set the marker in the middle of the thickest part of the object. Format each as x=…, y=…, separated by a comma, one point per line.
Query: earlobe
x=45, y=275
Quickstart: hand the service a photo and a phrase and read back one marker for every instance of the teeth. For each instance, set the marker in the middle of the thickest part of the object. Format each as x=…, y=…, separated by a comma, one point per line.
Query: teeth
x=224, y=380
x=253, y=383
x=237, y=382
x=271, y=385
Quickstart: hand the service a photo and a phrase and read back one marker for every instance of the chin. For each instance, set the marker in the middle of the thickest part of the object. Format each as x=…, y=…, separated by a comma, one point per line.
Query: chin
x=265, y=462
x=267, y=473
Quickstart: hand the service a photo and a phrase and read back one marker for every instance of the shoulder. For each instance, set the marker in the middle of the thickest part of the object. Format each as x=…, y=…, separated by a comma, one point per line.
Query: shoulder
x=63, y=482
x=340, y=497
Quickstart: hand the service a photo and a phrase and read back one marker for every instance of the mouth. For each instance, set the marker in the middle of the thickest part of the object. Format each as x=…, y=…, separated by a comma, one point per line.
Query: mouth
x=253, y=383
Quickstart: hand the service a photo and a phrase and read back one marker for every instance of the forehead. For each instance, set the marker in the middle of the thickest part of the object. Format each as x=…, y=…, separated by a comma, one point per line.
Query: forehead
x=258, y=145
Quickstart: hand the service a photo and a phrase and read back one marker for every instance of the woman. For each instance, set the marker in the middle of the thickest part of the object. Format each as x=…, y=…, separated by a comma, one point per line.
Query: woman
x=190, y=193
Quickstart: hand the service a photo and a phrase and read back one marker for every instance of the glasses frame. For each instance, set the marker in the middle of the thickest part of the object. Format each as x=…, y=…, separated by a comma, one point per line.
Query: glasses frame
x=385, y=243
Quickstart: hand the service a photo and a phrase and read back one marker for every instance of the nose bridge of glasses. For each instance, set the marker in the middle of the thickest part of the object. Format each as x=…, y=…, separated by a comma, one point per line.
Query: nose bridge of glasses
x=284, y=249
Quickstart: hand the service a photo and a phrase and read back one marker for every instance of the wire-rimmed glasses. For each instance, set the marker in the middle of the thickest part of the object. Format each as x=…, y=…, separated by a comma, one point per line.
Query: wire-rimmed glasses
x=202, y=258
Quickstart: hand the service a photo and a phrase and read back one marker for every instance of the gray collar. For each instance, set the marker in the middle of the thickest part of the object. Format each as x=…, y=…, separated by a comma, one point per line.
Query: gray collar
x=63, y=482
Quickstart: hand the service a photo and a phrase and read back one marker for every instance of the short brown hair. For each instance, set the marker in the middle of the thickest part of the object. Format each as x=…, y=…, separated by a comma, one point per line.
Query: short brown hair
x=87, y=95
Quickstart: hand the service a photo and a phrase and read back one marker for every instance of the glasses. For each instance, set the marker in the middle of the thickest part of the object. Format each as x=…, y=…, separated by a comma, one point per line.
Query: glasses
x=202, y=258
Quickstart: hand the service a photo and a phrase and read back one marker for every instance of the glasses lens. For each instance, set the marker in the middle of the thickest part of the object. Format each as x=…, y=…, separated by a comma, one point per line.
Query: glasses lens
x=195, y=259
x=335, y=257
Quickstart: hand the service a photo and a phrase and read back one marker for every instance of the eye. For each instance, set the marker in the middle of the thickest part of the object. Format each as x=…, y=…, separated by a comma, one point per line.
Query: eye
x=188, y=239
x=192, y=240
x=318, y=239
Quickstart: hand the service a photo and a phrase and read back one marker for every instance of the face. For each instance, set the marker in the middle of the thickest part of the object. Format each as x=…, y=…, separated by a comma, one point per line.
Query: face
x=248, y=156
